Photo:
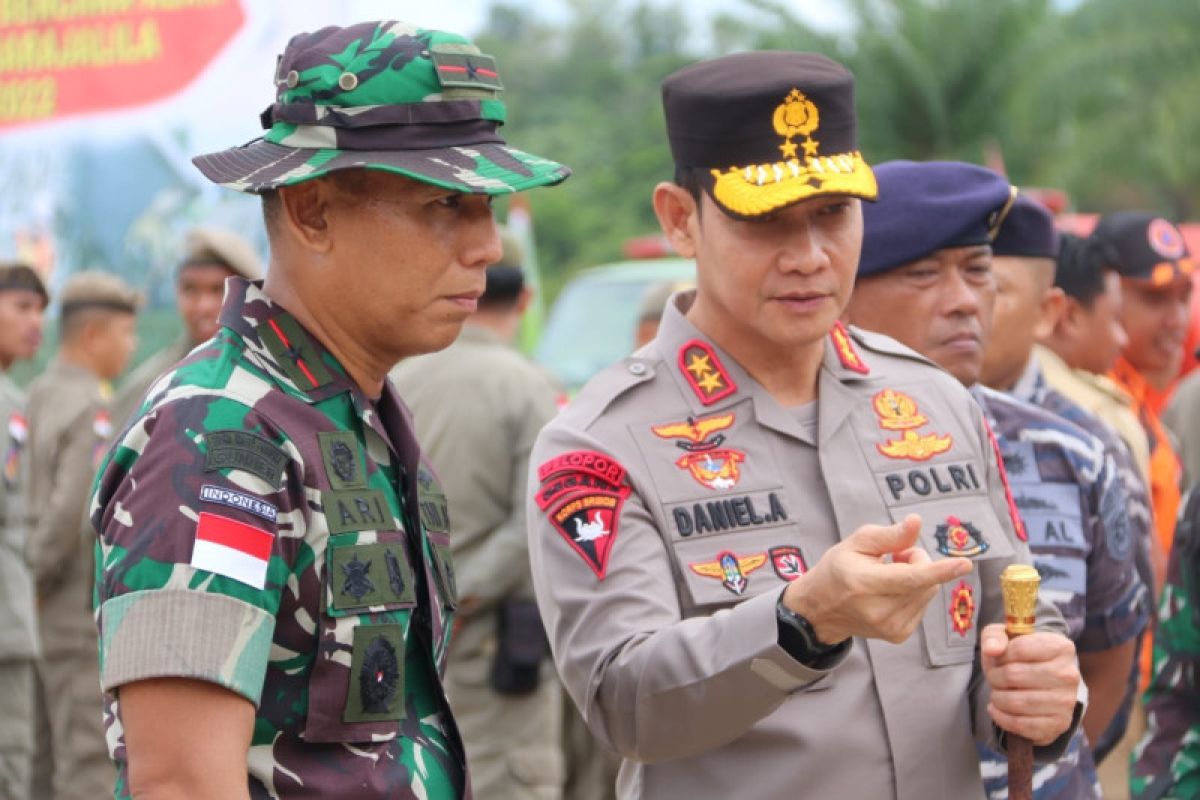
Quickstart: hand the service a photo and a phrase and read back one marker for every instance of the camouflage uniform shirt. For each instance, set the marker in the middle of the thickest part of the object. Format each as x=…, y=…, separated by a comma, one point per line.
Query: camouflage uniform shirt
x=1166, y=762
x=1033, y=388
x=1073, y=508
x=266, y=526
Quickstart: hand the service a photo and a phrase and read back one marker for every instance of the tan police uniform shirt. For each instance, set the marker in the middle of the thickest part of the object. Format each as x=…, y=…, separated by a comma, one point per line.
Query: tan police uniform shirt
x=18, y=634
x=69, y=427
x=1102, y=397
x=676, y=498
x=135, y=385
x=478, y=407
x=1182, y=418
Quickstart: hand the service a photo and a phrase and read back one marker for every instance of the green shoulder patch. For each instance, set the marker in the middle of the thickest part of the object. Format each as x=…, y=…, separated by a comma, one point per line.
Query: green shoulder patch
x=343, y=460
x=466, y=70
x=365, y=576
x=376, y=675
x=294, y=352
x=249, y=452
x=431, y=500
x=356, y=510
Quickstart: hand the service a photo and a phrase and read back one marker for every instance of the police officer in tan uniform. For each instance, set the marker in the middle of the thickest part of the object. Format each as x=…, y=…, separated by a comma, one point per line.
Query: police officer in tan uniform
x=734, y=535
x=22, y=304
x=506, y=699
x=69, y=430
x=211, y=255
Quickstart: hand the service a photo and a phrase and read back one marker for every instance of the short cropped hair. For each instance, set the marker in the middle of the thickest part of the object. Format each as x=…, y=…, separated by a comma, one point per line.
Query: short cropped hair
x=1082, y=263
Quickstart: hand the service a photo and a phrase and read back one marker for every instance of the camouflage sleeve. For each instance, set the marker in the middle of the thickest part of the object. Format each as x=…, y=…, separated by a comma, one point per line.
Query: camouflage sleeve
x=55, y=539
x=199, y=511
x=1166, y=763
x=1116, y=602
x=1048, y=616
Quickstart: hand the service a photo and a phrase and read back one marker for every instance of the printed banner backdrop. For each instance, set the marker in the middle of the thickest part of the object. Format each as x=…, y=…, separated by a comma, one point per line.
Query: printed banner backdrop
x=104, y=102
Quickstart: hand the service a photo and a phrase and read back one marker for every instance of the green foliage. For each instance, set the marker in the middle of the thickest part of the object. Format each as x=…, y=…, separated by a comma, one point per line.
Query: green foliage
x=588, y=95
x=1096, y=98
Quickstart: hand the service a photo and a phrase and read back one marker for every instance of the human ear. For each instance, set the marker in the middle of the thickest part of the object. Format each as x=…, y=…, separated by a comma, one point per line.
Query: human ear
x=676, y=209
x=306, y=213
x=1054, y=302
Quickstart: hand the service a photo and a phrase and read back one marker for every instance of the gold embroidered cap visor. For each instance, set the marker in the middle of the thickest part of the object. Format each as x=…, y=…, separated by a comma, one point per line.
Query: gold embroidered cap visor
x=761, y=131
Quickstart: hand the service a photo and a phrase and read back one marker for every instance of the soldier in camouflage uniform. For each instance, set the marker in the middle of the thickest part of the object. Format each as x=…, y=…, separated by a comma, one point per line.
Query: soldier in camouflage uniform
x=22, y=303
x=210, y=256
x=69, y=430
x=1024, y=260
x=1166, y=763
x=274, y=552
x=1068, y=496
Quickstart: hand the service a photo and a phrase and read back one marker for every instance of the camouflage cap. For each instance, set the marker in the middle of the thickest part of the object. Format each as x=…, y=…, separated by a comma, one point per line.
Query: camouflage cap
x=206, y=245
x=384, y=95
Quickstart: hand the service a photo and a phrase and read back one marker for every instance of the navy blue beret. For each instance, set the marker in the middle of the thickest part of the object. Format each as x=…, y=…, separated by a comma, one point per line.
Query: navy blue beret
x=925, y=206
x=1027, y=231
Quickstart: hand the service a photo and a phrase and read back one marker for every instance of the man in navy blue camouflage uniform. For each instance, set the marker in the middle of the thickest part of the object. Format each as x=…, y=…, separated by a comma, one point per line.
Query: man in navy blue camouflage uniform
x=1024, y=259
x=925, y=278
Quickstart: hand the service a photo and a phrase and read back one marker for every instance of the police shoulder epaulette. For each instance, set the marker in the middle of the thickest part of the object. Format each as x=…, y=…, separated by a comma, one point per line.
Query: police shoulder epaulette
x=607, y=386
x=879, y=343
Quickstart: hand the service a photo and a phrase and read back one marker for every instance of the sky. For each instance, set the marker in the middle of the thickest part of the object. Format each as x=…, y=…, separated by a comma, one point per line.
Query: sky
x=467, y=16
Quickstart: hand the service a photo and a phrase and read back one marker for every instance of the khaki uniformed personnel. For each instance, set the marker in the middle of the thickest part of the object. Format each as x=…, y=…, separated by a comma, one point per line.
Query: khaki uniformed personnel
x=276, y=567
x=506, y=698
x=22, y=304
x=69, y=429
x=210, y=256
x=735, y=532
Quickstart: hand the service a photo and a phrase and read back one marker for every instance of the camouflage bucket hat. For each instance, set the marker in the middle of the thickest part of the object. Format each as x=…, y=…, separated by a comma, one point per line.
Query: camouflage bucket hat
x=389, y=96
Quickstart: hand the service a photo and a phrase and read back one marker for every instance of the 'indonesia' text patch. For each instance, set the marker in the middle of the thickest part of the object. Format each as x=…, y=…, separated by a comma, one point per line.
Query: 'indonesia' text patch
x=233, y=499
x=234, y=549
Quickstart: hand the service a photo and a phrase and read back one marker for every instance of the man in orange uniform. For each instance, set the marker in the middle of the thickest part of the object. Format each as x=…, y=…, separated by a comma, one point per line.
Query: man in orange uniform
x=1156, y=287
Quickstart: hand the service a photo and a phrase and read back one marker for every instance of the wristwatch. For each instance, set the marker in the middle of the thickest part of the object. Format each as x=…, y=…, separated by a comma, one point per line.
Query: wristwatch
x=797, y=637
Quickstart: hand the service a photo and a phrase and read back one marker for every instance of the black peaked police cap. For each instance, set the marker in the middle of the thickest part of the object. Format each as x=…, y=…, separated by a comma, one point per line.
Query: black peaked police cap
x=765, y=130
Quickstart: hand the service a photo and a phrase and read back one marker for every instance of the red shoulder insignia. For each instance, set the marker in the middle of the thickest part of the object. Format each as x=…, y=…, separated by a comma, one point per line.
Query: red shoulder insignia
x=581, y=493
x=1018, y=524
x=596, y=464
x=846, y=353
x=704, y=372
x=589, y=523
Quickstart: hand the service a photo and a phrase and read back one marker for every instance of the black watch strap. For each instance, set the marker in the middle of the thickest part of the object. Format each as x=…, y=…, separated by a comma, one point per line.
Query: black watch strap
x=797, y=637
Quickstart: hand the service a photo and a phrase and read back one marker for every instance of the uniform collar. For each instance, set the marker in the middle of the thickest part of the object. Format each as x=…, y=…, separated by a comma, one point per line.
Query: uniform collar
x=478, y=334
x=304, y=368
x=710, y=379
x=1143, y=394
x=295, y=360
x=1053, y=365
x=1031, y=386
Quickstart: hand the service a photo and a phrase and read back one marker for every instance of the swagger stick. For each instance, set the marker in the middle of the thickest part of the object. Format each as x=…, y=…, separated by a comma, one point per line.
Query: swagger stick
x=1019, y=583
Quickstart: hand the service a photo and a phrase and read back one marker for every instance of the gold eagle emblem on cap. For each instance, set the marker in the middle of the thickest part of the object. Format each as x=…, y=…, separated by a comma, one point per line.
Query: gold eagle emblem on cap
x=797, y=116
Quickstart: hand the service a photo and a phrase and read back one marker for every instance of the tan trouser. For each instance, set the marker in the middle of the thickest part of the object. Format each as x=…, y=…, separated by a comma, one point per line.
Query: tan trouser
x=591, y=769
x=513, y=742
x=16, y=728
x=1114, y=771
x=72, y=755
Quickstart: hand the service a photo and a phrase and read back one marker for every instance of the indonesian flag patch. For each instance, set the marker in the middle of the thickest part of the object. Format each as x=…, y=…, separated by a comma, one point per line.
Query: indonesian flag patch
x=234, y=549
